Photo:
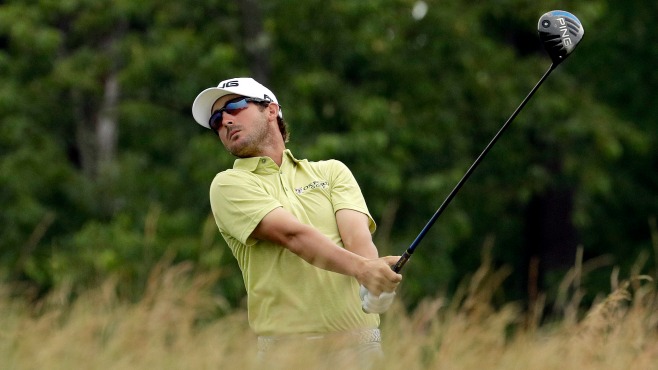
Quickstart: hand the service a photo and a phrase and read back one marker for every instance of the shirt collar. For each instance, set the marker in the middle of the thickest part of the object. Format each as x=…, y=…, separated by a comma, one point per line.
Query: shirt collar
x=258, y=164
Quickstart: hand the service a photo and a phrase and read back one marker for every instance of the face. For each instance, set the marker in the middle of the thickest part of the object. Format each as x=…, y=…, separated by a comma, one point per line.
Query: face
x=244, y=132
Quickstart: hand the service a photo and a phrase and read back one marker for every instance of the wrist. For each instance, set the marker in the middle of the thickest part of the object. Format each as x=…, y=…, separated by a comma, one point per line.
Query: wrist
x=358, y=268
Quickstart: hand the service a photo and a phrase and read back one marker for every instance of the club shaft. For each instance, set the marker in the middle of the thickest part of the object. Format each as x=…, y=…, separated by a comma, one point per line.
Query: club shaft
x=407, y=254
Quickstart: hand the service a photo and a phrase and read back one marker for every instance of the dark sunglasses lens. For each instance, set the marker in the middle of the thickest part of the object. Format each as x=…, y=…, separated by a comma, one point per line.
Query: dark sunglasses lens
x=215, y=120
x=236, y=106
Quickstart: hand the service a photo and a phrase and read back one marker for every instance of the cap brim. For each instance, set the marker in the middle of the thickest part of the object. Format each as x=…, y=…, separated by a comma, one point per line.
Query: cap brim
x=203, y=104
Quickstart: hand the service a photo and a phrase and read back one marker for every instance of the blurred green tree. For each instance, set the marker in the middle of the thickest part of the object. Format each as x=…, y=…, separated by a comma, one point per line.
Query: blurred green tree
x=103, y=171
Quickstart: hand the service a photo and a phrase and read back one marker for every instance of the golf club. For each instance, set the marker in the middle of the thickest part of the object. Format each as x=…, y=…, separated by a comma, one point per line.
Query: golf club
x=560, y=32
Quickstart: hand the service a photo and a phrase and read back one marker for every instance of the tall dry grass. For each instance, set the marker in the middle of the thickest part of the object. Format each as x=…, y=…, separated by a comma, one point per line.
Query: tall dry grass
x=175, y=326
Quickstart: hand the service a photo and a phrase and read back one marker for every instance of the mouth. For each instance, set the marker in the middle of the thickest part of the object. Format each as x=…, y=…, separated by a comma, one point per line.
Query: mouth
x=232, y=133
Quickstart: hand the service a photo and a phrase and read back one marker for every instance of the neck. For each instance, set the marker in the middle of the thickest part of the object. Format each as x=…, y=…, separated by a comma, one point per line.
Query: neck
x=276, y=153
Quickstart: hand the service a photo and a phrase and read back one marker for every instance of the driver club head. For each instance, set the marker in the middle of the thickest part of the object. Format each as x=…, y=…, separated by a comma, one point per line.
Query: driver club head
x=560, y=32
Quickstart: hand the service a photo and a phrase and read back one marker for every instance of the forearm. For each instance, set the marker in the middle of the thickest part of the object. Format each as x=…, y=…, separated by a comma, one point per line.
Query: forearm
x=318, y=250
x=373, y=273
x=364, y=247
x=282, y=228
x=355, y=233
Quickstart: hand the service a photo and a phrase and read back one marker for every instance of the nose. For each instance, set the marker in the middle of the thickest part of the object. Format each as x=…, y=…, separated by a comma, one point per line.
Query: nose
x=227, y=118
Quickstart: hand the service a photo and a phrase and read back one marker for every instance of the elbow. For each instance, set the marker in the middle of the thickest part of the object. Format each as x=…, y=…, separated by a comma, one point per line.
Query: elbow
x=291, y=239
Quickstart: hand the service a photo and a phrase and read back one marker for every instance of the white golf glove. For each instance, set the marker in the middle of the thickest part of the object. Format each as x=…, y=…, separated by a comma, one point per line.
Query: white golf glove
x=370, y=303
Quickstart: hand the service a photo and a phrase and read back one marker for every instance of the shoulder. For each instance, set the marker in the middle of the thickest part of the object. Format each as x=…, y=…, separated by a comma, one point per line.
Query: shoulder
x=332, y=165
x=233, y=175
x=232, y=178
x=325, y=164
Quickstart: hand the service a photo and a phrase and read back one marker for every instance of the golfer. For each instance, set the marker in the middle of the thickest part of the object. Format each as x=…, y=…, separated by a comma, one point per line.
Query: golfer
x=299, y=230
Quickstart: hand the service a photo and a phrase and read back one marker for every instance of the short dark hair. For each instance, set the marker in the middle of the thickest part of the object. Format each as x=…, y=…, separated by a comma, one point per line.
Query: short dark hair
x=283, y=128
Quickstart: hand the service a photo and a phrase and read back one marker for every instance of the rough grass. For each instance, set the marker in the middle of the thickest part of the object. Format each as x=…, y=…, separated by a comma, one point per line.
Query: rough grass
x=176, y=326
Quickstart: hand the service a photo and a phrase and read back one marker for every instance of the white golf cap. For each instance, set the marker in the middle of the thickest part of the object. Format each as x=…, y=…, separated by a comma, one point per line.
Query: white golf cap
x=244, y=86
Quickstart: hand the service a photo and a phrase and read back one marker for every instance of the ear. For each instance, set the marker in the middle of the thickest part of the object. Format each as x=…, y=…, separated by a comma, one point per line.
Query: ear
x=273, y=111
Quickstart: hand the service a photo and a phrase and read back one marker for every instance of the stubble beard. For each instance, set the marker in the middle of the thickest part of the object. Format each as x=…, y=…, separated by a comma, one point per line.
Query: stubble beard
x=251, y=145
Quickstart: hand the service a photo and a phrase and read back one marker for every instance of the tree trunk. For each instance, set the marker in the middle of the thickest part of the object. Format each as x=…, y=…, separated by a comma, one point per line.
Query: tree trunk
x=256, y=40
x=107, y=124
x=97, y=121
x=84, y=134
x=550, y=237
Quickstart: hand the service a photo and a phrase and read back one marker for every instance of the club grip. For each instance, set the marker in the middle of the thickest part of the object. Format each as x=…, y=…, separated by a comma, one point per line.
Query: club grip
x=403, y=259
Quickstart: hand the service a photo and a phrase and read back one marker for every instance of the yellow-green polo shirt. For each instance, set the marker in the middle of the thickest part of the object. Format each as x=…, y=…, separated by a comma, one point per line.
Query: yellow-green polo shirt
x=286, y=294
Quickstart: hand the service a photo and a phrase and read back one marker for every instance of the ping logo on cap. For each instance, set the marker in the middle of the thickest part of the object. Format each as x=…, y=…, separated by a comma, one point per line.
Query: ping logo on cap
x=226, y=84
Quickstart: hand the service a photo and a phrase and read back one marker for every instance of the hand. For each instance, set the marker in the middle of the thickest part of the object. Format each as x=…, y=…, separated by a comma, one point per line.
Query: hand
x=371, y=303
x=377, y=277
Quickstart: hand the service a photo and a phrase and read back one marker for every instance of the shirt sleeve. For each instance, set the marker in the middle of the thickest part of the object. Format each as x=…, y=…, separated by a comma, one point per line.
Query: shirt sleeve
x=346, y=193
x=239, y=202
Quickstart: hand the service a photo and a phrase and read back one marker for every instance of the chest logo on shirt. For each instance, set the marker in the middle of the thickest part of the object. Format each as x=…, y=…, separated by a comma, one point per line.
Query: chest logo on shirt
x=313, y=185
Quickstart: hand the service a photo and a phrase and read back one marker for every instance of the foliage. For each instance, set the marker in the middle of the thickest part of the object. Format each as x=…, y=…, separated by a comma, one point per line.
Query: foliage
x=406, y=92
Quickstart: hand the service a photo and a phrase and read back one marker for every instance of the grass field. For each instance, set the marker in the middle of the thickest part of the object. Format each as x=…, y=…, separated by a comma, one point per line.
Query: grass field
x=175, y=326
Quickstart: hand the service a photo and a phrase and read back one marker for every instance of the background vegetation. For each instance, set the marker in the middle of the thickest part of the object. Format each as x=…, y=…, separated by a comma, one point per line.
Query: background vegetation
x=104, y=173
x=173, y=327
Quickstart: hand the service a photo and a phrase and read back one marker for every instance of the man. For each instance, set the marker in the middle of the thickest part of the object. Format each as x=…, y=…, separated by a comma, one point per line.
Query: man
x=300, y=230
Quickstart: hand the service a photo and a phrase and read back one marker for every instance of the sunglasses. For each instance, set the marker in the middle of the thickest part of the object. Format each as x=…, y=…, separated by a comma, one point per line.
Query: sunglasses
x=232, y=107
